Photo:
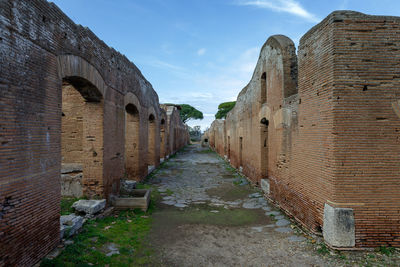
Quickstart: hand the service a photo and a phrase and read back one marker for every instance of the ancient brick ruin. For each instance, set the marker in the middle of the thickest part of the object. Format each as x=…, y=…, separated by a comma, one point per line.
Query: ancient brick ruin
x=68, y=102
x=320, y=129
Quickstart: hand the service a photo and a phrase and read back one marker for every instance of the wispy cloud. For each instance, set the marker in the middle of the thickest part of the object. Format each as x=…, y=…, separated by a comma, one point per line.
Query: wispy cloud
x=344, y=5
x=288, y=6
x=201, y=51
x=164, y=65
x=205, y=90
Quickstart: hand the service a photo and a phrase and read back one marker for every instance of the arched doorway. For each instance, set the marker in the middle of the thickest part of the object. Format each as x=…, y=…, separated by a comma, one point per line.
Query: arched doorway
x=151, y=148
x=162, y=139
x=264, y=147
x=81, y=138
x=132, y=124
x=263, y=88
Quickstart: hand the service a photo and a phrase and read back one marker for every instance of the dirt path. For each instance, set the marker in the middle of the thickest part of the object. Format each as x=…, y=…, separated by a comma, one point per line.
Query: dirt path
x=210, y=216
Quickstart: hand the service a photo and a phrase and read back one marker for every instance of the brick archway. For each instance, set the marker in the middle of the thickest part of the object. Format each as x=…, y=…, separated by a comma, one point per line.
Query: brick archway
x=81, y=127
x=163, y=135
x=133, y=144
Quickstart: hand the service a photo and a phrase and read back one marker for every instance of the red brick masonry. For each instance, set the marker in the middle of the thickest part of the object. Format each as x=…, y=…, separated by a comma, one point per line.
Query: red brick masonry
x=42, y=54
x=331, y=131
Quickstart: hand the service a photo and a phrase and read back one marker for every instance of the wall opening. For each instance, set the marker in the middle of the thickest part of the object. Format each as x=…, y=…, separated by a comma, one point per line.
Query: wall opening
x=240, y=151
x=229, y=147
x=132, y=123
x=264, y=147
x=151, y=148
x=162, y=139
x=81, y=138
x=263, y=90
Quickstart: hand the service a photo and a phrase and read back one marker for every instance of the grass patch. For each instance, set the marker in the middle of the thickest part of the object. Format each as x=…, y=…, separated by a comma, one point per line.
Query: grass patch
x=203, y=215
x=66, y=203
x=206, y=151
x=386, y=250
x=322, y=249
x=169, y=192
x=128, y=230
x=229, y=192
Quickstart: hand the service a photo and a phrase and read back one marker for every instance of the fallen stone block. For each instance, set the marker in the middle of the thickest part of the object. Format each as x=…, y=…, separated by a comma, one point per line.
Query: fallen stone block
x=89, y=206
x=70, y=225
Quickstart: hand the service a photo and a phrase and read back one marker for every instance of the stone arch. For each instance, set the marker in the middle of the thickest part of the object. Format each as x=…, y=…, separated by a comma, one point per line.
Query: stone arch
x=74, y=66
x=287, y=51
x=81, y=127
x=263, y=87
x=132, y=134
x=163, y=135
x=152, y=135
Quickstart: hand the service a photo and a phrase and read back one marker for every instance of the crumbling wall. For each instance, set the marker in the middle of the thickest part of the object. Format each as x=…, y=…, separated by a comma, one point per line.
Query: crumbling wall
x=163, y=134
x=327, y=130
x=40, y=48
x=177, y=132
x=218, y=136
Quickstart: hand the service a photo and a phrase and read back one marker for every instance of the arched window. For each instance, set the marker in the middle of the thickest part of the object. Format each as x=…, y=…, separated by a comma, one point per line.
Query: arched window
x=263, y=90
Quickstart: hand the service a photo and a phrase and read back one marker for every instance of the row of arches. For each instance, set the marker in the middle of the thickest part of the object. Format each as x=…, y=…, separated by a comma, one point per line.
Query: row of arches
x=84, y=129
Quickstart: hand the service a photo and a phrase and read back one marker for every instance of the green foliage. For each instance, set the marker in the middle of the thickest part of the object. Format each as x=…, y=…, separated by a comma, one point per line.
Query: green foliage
x=188, y=113
x=66, y=203
x=322, y=249
x=386, y=250
x=128, y=230
x=223, y=109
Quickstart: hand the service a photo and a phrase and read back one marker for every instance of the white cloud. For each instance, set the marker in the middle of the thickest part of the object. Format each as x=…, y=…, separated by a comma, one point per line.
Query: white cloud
x=201, y=51
x=288, y=6
x=199, y=95
x=164, y=65
x=344, y=5
x=206, y=90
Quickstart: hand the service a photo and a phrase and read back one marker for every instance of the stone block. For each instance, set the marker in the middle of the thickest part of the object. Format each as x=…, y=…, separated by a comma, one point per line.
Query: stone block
x=265, y=186
x=71, y=167
x=127, y=187
x=70, y=225
x=71, y=185
x=89, y=206
x=339, y=228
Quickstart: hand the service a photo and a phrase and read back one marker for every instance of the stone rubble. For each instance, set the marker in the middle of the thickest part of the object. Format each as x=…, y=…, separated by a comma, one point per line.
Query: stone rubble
x=70, y=225
x=89, y=207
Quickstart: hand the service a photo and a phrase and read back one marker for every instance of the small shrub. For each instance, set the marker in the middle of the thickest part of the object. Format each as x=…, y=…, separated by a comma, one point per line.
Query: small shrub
x=322, y=249
x=386, y=250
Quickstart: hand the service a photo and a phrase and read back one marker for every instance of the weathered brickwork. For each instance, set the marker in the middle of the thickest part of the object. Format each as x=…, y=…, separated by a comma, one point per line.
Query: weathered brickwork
x=65, y=97
x=323, y=126
x=177, y=134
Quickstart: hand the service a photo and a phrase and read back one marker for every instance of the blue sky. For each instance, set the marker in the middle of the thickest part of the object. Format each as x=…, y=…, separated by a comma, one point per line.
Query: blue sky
x=203, y=52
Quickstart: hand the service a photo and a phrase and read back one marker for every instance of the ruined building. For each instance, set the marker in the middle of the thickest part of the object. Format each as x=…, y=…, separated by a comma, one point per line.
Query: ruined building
x=320, y=129
x=68, y=102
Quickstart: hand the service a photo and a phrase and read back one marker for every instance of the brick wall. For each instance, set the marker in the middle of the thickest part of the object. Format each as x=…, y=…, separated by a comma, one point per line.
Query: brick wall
x=39, y=48
x=333, y=124
x=366, y=127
